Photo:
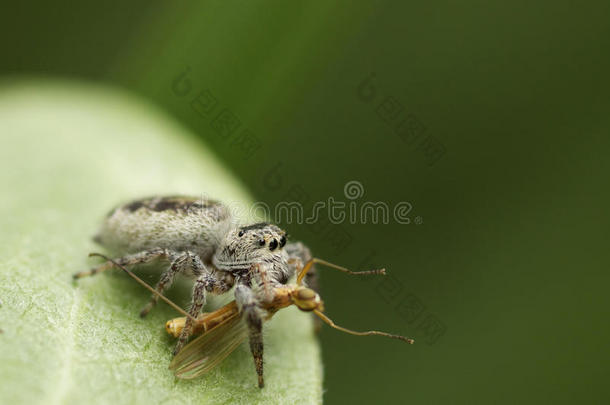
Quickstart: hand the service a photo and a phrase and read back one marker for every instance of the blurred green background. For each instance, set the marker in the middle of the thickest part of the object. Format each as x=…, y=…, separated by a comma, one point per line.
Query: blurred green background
x=490, y=119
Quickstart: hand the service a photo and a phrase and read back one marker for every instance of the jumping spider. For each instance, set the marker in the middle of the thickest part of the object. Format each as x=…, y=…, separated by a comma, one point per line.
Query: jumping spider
x=199, y=240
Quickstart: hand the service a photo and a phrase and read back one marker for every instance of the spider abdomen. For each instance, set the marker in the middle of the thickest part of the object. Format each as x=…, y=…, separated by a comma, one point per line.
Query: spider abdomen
x=176, y=223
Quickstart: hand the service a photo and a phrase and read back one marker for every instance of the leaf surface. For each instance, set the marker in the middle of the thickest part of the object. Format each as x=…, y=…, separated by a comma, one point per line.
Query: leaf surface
x=69, y=152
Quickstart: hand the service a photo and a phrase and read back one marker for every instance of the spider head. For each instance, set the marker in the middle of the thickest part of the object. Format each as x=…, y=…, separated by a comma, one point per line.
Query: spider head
x=261, y=242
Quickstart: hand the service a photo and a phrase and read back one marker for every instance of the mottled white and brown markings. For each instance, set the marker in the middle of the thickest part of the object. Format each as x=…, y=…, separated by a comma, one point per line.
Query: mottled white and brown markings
x=198, y=239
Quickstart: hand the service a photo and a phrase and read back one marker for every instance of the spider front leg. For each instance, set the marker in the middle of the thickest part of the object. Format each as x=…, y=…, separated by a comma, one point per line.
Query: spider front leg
x=252, y=314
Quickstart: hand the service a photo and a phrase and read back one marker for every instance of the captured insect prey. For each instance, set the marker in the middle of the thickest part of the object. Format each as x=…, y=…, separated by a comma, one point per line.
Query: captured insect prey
x=223, y=330
x=198, y=239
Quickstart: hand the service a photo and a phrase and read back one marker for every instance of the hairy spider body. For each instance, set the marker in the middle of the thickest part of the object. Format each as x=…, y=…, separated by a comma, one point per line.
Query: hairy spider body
x=198, y=239
x=174, y=223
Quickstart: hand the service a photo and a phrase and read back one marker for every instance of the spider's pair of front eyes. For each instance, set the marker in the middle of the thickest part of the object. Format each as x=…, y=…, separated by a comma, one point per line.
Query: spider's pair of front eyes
x=272, y=245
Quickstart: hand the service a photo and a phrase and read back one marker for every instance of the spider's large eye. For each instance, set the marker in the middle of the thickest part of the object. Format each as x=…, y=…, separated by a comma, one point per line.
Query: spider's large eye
x=261, y=242
x=240, y=234
x=282, y=241
x=273, y=244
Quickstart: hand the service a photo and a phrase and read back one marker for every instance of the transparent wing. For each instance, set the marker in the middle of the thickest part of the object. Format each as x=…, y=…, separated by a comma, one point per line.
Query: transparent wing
x=208, y=350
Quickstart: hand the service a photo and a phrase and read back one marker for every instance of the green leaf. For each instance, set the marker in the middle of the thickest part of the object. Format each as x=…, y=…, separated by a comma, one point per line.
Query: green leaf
x=69, y=153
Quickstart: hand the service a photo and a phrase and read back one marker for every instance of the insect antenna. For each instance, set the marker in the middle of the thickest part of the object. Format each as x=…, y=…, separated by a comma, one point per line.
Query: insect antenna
x=367, y=333
x=143, y=283
x=315, y=260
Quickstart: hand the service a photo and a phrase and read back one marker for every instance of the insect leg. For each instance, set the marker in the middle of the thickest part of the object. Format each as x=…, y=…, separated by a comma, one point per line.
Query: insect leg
x=300, y=254
x=129, y=260
x=247, y=303
x=313, y=281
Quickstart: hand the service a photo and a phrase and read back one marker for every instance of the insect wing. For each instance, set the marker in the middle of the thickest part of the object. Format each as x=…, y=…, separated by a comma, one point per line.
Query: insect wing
x=208, y=350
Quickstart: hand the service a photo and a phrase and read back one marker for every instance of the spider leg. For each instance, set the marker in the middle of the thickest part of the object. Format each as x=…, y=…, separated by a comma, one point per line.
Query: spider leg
x=143, y=257
x=252, y=313
x=218, y=282
x=186, y=263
